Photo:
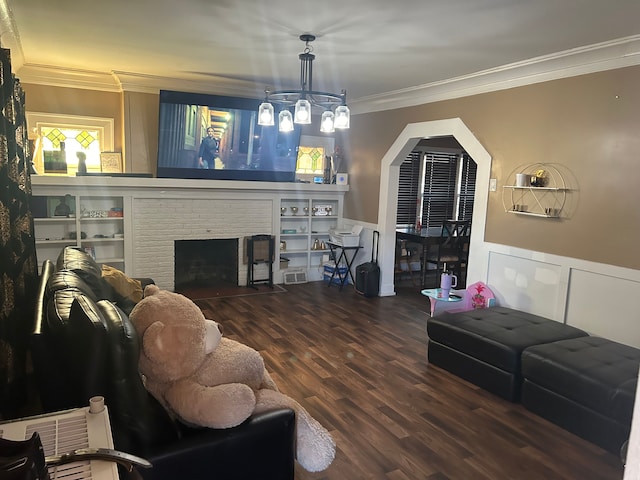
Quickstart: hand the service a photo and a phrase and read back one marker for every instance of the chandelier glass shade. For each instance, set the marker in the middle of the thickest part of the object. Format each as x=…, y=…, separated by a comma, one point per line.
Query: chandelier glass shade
x=335, y=112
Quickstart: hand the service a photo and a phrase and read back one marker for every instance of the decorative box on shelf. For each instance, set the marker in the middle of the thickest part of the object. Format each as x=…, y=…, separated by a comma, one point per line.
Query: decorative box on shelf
x=322, y=210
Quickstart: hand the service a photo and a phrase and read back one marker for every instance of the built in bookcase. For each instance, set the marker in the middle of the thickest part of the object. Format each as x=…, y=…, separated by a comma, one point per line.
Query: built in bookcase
x=94, y=223
x=304, y=231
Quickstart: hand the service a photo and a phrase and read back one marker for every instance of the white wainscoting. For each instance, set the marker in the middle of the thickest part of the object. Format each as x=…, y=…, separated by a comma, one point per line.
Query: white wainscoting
x=600, y=299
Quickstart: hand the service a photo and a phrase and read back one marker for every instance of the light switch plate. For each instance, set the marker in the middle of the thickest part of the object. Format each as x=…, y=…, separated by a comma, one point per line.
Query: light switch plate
x=493, y=185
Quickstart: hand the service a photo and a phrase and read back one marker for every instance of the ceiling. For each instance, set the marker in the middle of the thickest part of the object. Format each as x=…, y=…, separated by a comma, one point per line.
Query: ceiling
x=371, y=48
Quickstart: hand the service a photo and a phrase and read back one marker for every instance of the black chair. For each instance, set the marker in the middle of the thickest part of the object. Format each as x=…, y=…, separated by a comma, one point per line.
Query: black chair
x=404, y=255
x=260, y=250
x=452, y=253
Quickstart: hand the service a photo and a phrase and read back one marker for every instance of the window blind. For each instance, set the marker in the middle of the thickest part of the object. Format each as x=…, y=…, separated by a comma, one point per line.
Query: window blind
x=408, y=190
x=467, y=188
x=448, y=187
x=439, y=189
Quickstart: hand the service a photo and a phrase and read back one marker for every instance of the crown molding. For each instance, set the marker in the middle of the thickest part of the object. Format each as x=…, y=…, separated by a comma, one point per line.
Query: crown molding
x=119, y=81
x=619, y=53
x=69, y=78
x=141, y=83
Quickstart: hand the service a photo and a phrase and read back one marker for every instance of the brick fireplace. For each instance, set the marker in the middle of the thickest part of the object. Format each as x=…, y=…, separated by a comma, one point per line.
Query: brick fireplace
x=160, y=222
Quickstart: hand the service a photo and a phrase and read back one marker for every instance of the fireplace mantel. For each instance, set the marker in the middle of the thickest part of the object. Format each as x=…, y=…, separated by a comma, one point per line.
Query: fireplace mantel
x=158, y=211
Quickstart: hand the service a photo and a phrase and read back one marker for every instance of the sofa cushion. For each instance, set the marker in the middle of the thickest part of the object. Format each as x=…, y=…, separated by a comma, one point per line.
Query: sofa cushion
x=496, y=335
x=595, y=372
x=128, y=288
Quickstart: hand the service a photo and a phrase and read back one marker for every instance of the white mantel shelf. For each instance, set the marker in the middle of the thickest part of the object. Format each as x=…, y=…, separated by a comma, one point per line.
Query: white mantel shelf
x=155, y=184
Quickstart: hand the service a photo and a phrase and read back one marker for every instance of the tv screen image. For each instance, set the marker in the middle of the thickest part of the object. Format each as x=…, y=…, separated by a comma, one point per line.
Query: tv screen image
x=237, y=148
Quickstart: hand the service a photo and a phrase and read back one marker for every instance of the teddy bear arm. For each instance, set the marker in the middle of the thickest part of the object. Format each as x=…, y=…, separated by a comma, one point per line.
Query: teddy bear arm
x=220, y=406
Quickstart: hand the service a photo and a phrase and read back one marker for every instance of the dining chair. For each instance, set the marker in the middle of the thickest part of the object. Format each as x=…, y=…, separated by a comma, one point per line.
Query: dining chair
x=452, y=252
x=404, y=256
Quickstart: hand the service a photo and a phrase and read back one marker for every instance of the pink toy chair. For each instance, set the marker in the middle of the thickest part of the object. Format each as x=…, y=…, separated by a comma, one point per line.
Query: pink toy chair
x=477, y=295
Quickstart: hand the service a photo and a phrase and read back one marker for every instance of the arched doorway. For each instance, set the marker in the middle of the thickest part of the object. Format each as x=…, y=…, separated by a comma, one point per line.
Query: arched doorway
x=387, y=205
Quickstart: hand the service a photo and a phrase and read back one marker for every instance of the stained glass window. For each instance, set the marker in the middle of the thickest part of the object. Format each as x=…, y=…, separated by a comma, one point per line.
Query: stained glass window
x=59, y=141
x=310, y=160
x=61, y=146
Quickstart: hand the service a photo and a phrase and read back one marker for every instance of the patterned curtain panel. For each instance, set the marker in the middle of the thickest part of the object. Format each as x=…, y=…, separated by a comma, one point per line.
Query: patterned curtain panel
x=18, y=263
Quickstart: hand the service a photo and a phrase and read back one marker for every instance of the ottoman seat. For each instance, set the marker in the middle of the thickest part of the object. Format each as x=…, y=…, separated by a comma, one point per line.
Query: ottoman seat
x=585, y=385
x=485, y=346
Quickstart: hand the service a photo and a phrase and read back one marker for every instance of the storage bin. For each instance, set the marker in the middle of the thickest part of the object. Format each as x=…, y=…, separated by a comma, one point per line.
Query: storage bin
x=328, y=271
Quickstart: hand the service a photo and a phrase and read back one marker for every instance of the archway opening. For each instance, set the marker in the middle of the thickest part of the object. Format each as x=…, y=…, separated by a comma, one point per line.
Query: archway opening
x=387, y=206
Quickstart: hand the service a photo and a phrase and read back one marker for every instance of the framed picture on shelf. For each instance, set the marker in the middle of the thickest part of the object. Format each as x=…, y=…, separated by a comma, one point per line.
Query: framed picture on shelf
x=54, y=161
x=91, y=250
x=111, y=162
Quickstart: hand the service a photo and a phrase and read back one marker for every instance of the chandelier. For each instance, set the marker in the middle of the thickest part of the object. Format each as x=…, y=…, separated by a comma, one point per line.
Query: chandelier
x=334, y=105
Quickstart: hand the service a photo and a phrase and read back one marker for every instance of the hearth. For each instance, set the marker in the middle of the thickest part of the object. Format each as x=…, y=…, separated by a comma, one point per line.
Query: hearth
x=205, y=263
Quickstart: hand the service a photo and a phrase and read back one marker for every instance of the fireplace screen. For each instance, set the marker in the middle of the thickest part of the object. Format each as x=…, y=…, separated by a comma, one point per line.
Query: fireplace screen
x=205, y=263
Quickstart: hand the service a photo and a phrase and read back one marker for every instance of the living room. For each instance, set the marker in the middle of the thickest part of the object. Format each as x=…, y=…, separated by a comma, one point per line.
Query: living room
x=576, y=110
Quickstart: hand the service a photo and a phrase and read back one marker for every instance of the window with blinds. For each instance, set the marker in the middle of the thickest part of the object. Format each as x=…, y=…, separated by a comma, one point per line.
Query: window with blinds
x=408, y=190
x=444, y=181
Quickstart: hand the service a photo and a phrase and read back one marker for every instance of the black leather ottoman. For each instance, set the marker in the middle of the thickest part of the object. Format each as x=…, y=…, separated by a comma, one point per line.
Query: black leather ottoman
x=585, y=385
x=484, y=346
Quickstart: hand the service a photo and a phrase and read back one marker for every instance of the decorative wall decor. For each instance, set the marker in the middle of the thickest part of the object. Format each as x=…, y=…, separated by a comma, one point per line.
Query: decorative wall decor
x=111, y=162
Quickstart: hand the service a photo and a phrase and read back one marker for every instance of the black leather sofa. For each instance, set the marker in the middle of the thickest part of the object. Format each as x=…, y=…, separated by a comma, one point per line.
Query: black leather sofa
x=83, y=345
x=582, y=383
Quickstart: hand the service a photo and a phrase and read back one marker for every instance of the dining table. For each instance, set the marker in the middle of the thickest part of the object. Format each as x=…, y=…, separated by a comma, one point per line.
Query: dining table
x=427, y=237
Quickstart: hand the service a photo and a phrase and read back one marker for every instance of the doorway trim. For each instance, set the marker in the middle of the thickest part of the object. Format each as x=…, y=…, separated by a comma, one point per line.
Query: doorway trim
x=388, y=199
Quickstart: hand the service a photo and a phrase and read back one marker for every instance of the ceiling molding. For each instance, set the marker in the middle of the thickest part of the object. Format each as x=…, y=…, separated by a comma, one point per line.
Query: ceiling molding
x=611, y=55
x=64, y=77
x=135, y=82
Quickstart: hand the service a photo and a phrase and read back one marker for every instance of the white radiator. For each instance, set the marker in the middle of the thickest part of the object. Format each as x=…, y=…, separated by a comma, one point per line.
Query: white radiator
x=66, y=431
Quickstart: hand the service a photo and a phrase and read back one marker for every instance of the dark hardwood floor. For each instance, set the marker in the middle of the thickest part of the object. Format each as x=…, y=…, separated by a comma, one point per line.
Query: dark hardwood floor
x=359, y=366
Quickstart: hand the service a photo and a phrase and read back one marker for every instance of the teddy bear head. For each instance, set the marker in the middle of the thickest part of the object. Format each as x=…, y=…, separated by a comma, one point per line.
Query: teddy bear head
x=175, y=336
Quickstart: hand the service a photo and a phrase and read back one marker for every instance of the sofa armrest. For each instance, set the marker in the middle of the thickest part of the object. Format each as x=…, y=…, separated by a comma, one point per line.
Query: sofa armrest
x=268, y=439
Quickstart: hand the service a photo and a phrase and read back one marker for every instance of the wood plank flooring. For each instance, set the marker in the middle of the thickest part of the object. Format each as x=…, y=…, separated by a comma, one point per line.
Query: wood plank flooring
x=359, y=366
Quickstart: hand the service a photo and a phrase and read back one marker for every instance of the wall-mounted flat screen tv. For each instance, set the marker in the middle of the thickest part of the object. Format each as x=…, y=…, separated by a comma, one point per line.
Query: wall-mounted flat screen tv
x=218, y=137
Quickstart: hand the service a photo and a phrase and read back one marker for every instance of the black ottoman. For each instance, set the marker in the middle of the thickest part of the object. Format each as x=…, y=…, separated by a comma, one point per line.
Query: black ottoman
x=585, y=385
x=484, y=346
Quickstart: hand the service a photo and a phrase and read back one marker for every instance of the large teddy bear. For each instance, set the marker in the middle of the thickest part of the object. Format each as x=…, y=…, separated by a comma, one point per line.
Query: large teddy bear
x=205, y=379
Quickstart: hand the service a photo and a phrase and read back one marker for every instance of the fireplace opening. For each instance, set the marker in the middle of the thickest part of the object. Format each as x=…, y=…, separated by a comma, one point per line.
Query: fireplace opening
x=205, y=264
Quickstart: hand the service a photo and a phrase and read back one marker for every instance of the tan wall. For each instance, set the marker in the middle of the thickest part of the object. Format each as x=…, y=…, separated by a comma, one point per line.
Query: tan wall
x=76, y=101
x=588, y=125
x=141, y=112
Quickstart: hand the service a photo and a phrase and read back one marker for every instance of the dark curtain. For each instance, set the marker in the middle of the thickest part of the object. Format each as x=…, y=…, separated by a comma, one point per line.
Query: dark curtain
x=19, y=270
